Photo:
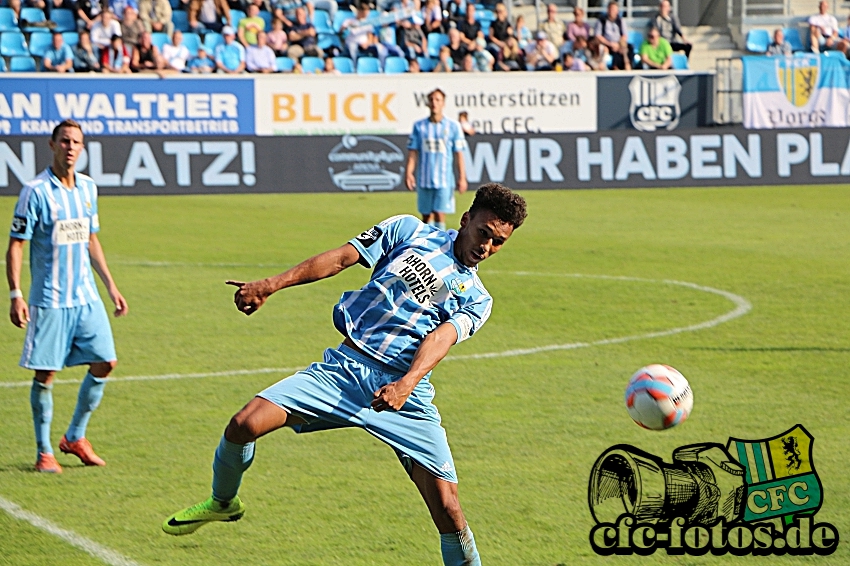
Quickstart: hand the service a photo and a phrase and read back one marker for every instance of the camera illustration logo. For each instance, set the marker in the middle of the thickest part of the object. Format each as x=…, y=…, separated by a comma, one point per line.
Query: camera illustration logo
x=362, y=163
x=754, y=497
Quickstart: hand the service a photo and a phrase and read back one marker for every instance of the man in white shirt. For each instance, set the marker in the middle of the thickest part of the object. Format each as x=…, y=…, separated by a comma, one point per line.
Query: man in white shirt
x=823, y=28
x=260, y=58
x=103, y=30
x=175, y=54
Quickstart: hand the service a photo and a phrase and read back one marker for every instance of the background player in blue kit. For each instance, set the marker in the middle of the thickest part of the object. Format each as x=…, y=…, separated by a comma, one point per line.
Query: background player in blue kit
x=66, y=321
x=434, y=144
x=424, y=296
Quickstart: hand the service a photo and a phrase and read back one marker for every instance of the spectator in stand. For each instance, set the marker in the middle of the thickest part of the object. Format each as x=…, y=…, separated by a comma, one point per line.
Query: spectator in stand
x=278, y=39
x=87, y=12
x=512, y=57
x=669, y=27
x=60, y=5
x=414, y=66
x=580, y=50
x=132, y=27
x=202, y=64
x=118, y=7
x=554, y=28
x=465, y=125
x=655, y=51
x=250, y=26
x=457, y=49
x=779, y=47
x=410, y=35
x=522, y=33
x=433, y=13
x=156, y=16
x=208, y=14
x=302, y=37
x=470, y=29
x=85, y=59
x=500, y=31
x=175, y=55
x=469, y=65
x=230, y=56
x=260, y=58
x=446, y=63
x=613, y=33
x=823, y=29
x=578, y=27
x=542, y=54
x=145, y=57
x=104, y=30
x=596, y=54
x=59, y=58
x=572, y=63
x=115, y=59
x=262, y=5
x=285, y=11
x=358, y=28
x=330, y=67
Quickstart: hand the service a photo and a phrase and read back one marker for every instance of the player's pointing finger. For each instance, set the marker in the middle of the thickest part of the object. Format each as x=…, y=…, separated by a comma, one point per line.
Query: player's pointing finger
x=239, y=284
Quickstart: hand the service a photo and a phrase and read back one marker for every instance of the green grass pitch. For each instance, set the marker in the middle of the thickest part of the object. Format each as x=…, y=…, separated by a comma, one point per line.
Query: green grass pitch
x=525, y=430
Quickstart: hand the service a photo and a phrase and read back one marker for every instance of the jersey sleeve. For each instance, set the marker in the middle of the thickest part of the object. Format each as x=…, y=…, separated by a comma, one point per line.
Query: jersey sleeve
x=376, y=242
x=471, y=317
x=95, y=219
x=26, y=215
x=458, y=139
x=414, y=142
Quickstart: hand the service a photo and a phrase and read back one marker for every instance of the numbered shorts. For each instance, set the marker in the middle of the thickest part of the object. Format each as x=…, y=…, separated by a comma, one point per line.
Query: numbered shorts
x=337, y=392
x=435, y=200
x=67, y=337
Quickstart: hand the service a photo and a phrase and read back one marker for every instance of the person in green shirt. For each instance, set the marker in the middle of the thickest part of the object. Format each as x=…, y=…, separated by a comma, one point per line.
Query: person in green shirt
x=252, y=25
x=655, y=52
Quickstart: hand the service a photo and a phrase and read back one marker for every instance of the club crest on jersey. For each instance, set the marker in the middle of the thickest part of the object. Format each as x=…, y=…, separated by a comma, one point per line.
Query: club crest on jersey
x=419, y=276
x=370, y=236
x=459, y=287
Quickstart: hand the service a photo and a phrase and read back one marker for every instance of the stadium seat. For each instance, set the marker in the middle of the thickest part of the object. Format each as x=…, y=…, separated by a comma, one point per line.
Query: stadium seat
x=180, y=19
x=32, y=15
x=340, y=17
x=71, y=38
x=312, y=65
x=175, y=4
x=267, y=17
x=64, y=19
x=635, y=38
x=484, y=14
x=40, y=42
x=435, y=42
x=322, y=22
x=758, y=40
x=8, y=20
x=211, y=41
x=2, y=64
x=192, y=41
x=395, y=65
x=368, y=65
x=680, y=61
x=344, y=65
x=426, y=64
x=792, y=36
x=328, y=40
x=236, y=16
x=284, y=65
x=12, y=43
x=159, y=38
x=22, y=64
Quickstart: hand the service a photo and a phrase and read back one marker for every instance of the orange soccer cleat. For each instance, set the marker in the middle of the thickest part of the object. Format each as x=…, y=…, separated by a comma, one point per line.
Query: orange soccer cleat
x=47, y=464
x=81, y=449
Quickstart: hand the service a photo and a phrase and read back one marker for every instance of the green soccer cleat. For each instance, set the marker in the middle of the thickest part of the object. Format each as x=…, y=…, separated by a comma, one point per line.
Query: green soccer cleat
x=192, y=518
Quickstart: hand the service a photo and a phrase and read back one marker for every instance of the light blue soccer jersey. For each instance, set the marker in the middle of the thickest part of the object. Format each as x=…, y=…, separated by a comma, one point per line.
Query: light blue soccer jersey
x=437, y=143
x=416, y=285
x=59, y=222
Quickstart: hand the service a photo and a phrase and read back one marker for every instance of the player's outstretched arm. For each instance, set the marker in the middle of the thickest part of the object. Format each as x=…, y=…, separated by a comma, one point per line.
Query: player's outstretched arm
x=433, y=349
x=98, y=263
x=251, y=296
x=18, y=311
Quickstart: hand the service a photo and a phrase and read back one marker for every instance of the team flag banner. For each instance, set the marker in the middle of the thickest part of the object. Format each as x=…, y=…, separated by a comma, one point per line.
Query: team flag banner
x=804, y=91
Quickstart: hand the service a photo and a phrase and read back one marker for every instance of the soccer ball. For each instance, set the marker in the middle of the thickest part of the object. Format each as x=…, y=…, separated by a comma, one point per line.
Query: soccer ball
x=658, y=397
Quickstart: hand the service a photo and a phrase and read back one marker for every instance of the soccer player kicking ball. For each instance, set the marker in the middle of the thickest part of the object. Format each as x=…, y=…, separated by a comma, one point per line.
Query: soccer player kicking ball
x=424, y=296
x=66, y=321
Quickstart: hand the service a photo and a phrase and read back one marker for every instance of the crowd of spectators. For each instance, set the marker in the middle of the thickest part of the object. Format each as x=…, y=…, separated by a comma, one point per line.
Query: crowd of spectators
x=824, y=35
x=147, y=36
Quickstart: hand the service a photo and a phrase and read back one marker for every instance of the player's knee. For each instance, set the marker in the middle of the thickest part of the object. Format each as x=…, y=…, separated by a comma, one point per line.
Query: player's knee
x=45, y=377
x=242, y=429
x=102, y=369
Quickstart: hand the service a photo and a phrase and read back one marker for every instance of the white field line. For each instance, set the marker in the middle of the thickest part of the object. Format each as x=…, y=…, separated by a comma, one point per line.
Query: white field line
x=102, y=553
x=742, y=307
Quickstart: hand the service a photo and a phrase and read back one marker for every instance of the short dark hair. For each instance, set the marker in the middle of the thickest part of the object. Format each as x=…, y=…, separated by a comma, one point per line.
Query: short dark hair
x=65, y=124
x=503, y=202
x=437, y=90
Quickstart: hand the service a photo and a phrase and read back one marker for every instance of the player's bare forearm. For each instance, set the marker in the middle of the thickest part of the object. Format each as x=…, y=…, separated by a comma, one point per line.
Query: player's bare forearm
x=433, y=349
x=18, y=310
x=251, y=296
x=98, y=263
x=410, y=168
x=461, y=172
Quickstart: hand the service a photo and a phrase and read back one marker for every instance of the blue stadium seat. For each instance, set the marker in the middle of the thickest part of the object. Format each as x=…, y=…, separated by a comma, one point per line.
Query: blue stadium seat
x=12, y=43
x=368, y=65
x=8, y=20
x=267, y=17
x=175, y=4
x=22, y=64
x=284, y=65
x=312, y=65
x=235, y=16
x=40, y=42
x=344, y=65
x=328, y=40
x=32, y=15
x=758, y=40
x=180, y=19
x=71, y=38
x=680, y=61
x=792, y=36
x=192, y=41
x=64, y=19
x=635, y=38
x=426, y=64
x=2, y=65
x=322, y=22
x=484, y=14
x=395, y=65
x=159, y=38
x=340, y=17
x=435, y=42
x=211, y=41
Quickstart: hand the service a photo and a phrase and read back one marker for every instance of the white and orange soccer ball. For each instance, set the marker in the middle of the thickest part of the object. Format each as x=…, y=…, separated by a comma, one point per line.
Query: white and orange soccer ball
x=658, y=397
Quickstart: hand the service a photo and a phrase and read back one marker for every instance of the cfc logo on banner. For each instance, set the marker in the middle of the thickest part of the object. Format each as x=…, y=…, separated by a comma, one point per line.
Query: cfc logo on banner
x=655, y=103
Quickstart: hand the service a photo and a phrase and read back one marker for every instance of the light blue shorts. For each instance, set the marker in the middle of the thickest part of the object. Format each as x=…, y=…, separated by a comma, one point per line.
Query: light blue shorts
x=435, y=200
x=67, y=337
x=337, y=392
